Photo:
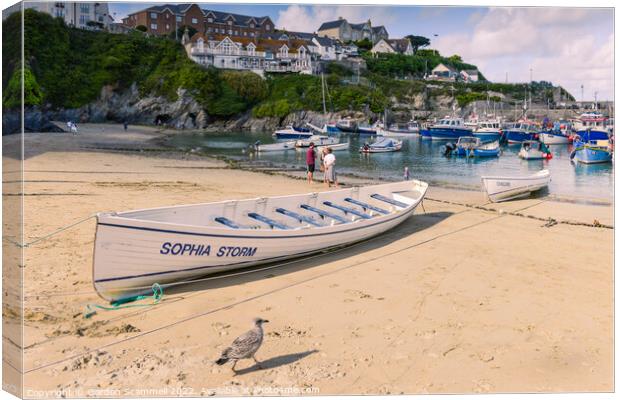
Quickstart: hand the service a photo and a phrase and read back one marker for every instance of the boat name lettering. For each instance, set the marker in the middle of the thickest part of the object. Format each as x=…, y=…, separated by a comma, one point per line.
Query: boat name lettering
x=500, y=183
x=192, y=249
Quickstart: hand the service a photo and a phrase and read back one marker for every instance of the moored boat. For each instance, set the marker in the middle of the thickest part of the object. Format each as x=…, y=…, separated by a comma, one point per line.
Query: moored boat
x=293, y=132
x=278, y=146
x=318, y=140
x=519, y=132
x=592, y=147
x=472, y=147
x=383, y=145
x=534, y=150
x=449, y=128
x=502, y=188
x=337, y=146
x=488, y=131
x=554, y=137
x=134, y=250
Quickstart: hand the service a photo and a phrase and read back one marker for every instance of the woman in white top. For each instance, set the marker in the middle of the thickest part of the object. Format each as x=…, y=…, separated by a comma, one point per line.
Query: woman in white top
x=329, y=163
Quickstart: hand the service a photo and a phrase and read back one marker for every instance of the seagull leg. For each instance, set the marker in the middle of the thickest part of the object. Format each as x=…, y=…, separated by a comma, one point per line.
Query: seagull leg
x=258, y=364
x=233, y=367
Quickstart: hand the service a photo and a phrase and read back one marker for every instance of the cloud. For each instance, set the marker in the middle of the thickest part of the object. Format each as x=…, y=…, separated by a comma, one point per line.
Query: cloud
x=310, y=18
x=567, y=46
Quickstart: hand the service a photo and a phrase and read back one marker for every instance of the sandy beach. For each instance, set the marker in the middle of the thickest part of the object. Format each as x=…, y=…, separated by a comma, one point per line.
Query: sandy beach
x=464, y=297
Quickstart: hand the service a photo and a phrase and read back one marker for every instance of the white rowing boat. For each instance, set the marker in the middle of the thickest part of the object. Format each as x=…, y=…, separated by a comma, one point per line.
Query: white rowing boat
x=279, y=146
x=135, y=249
x=502, y=188
x=337, y=146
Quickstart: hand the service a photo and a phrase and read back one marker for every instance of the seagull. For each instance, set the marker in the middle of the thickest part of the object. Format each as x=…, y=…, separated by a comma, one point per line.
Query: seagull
x=245, y=346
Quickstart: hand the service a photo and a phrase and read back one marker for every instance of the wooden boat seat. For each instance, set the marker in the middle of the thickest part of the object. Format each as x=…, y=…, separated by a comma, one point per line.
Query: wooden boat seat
x=389, y=201
x=272, y=223
x=324, y=213
x=227, y=222
x=299, y=217
x=347, y=210
x=366, y=206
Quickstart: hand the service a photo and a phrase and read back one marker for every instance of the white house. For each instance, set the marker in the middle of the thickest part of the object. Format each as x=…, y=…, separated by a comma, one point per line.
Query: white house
x=325, y=47
x=444, y=72
x=74, y=13
x=393, y=46
x=258, y=55
x=469, y=75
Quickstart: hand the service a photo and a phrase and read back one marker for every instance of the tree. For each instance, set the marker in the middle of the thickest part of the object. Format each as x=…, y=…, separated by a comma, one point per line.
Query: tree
x=455, y=58
x=13, y=92
x=418, y=41
x=141, y=28
x=181, y=30
x=364, y=44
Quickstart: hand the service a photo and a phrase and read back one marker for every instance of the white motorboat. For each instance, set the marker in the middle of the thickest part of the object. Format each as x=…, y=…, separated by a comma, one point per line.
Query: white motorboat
x=502, y=188
x=278, y=146
x=383, y=145
x=136, y=249
x=318, y=140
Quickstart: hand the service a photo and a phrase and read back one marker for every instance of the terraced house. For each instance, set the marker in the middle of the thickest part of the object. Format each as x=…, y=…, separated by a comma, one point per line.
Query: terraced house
x=344, y=31
x=243, y=53
x=164, y=19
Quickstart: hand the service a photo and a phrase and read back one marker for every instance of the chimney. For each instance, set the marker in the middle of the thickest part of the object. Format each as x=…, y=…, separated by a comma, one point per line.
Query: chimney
x=340, y=18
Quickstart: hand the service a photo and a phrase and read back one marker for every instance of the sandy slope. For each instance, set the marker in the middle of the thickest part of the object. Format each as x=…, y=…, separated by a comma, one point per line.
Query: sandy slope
x=455, y=300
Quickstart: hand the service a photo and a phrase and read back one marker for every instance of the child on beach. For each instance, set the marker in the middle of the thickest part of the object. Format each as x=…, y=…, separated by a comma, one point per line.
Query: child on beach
x=330, y=168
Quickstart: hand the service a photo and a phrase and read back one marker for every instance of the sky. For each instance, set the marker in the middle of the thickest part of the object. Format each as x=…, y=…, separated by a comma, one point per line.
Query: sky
x=570, y=47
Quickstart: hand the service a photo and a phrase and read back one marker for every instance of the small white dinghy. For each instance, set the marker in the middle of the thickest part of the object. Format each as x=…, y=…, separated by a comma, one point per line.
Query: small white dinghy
x=337, y=146
x=135, y=249
x=279, y=146
x=502, y=188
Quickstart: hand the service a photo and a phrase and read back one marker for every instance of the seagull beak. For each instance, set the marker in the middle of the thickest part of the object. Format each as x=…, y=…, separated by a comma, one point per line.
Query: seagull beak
x=265, y=320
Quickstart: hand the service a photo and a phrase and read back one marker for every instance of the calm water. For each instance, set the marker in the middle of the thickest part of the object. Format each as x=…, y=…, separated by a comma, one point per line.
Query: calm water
x=424, y=159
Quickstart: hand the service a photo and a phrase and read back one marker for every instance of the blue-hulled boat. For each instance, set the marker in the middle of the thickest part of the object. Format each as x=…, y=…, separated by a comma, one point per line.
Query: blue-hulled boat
x=472, y=147
x=592, y=147
x=519, y=132
x=449, y=129
x=488, y=131
x=293, y=132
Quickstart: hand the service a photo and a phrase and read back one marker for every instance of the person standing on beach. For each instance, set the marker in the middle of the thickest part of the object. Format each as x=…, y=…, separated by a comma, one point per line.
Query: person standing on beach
x=125, y=124
x=330, y=168
x=322, y=163
x=310, y=162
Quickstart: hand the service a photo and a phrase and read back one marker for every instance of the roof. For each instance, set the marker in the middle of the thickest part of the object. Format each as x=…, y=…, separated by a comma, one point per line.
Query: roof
x=450, y=68
x=378, y=28
x=324, y=41
x=220, y=17
x=359, y=26
x=332, y=24
x=399, y=45
x=470, y=71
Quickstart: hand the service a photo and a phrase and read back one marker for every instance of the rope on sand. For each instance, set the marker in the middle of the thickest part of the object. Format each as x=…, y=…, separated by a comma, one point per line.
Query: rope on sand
x=64, y=228
x=549, y=222
x=158, y=294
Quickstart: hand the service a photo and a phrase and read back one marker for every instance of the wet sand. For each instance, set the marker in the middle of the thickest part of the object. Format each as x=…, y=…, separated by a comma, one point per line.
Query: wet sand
x=464, y=297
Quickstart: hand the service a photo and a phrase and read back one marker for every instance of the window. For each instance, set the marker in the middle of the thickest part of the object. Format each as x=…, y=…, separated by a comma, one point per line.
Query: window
x=229, y=22
x=194, y=20
x=85, y=8
x=153, y=15
x=252, y=34
x=83, y=19
x=179, y=19
x=60, y=12
x=230, y=31
x=251, y=50
x=167, y=16
x=227, y=47
x=210, y=20
x=236, y=33
x=154, y=27
x=209, y=30
x=252, y=25
x=267, y=27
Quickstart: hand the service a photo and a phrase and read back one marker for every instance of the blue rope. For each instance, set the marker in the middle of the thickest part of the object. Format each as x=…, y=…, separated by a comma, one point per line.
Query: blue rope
x=158, y=294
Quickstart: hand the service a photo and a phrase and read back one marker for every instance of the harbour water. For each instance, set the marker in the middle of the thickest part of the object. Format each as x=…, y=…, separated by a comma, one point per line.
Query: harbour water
x=423, y=157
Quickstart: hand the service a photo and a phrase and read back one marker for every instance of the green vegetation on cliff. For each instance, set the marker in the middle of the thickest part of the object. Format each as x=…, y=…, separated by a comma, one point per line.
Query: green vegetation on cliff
x=67, y=68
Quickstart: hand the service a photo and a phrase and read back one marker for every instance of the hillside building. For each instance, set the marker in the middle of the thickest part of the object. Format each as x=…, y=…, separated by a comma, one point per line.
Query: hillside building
x=342, y=30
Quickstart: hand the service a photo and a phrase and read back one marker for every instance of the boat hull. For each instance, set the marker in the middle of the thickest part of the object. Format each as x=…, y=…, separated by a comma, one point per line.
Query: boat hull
x=448, y=133
x=513, y=137
x=592, y=155
x=553, y=138
x=132, y=253
x=293, y=135
x=488, y=136
x=509, y=188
